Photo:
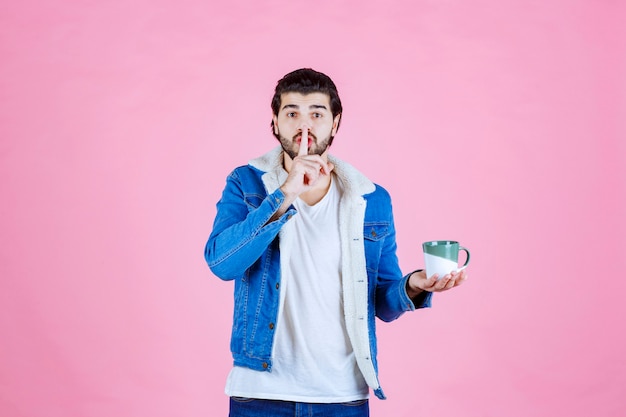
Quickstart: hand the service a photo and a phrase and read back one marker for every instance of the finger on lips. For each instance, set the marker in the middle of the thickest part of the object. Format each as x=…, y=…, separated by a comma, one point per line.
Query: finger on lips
x=304, y=142
x=314, y=161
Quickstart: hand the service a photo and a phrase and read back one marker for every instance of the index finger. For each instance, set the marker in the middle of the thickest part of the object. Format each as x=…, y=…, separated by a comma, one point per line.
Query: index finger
x=304, y=143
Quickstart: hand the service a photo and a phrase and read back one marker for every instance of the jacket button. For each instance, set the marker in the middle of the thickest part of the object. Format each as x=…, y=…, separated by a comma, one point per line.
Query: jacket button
x=271, y=326
x=373, y=233
x=277, y=285
x=265, y=365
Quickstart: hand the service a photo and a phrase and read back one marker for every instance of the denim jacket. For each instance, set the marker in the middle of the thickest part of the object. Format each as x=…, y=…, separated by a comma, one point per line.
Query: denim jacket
x=245, y=247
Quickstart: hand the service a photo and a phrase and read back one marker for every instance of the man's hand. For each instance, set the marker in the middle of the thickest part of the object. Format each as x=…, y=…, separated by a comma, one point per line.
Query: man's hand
x=418, y=282
x=306, y=170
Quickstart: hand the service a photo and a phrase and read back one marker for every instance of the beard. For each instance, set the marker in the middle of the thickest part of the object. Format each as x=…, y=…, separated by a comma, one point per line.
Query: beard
x=289, y=145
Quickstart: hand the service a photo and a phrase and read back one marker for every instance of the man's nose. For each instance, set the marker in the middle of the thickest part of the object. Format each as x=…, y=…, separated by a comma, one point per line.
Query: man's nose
x=304, y=125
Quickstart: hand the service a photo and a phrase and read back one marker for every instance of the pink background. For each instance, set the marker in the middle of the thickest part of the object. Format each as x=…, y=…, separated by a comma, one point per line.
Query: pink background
x=496, y=123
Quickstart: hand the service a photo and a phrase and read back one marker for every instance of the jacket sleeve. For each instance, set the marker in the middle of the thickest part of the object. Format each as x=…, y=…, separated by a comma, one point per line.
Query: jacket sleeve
x=241, y=230
x=392, y=299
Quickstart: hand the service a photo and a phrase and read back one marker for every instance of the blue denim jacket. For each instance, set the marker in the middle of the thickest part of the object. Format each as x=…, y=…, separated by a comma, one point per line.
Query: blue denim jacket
x=245, y=247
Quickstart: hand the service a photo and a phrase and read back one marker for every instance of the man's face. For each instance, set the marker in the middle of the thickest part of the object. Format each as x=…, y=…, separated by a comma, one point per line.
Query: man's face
x=310, y=111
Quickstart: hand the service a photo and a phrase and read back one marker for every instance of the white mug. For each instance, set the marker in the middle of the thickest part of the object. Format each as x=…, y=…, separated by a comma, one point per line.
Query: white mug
x=442, y=257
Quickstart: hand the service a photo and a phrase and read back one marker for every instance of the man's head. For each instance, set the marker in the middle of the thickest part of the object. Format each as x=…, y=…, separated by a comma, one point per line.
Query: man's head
x=314, y=99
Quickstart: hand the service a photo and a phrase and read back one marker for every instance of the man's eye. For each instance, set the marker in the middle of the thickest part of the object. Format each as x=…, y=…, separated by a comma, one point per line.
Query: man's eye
x=291, y=114
x=317, y=115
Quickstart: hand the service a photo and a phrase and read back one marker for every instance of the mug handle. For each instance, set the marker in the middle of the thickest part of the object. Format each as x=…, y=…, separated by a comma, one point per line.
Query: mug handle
x=466, y=260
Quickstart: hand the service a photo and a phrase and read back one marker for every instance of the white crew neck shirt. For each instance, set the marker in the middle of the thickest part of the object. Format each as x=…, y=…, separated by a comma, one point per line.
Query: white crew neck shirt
x=313, y=359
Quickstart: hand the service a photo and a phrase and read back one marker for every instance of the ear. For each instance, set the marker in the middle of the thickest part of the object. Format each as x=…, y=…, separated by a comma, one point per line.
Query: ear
x=335, y=124
x=275, y=125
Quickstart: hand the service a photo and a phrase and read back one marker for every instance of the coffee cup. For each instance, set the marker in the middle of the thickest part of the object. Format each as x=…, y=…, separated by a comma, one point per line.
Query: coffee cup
x=442, y=257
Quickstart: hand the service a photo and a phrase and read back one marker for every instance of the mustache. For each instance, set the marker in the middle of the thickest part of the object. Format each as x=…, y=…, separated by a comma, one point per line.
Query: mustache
x=310, y=135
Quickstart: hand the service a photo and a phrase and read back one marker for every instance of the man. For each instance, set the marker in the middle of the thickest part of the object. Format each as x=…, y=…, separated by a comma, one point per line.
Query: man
x=310, y=244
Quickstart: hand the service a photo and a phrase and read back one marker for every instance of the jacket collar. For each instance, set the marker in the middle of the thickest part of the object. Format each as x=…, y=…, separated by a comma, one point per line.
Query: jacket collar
x=352, y=181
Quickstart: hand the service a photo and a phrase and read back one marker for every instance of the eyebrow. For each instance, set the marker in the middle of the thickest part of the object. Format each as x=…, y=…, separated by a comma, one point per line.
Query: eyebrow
x=311, y=107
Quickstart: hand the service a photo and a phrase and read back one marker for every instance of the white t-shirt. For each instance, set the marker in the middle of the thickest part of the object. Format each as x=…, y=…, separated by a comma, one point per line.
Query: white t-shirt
x=313, y=359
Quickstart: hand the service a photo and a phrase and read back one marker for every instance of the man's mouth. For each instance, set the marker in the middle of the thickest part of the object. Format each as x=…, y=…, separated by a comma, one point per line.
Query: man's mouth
x=311, y=139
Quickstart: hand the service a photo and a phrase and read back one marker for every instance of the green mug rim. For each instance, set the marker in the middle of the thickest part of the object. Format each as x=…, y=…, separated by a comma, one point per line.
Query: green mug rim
x=440, y=242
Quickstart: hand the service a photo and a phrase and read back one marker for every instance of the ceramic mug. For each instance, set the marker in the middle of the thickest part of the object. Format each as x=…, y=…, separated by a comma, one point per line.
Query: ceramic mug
x=442, y=257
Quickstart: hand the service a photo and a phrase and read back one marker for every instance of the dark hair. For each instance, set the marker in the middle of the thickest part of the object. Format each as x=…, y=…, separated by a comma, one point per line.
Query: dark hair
x=307, y=81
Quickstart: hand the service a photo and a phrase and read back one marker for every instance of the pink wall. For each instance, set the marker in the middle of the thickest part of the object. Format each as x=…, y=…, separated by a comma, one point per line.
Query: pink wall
x=497, y=123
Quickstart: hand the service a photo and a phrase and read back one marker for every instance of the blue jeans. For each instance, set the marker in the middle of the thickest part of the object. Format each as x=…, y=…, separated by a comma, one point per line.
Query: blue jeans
x=250, y=407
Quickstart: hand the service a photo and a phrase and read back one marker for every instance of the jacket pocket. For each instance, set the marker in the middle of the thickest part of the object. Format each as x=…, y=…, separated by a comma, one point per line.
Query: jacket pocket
x=374, y=234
